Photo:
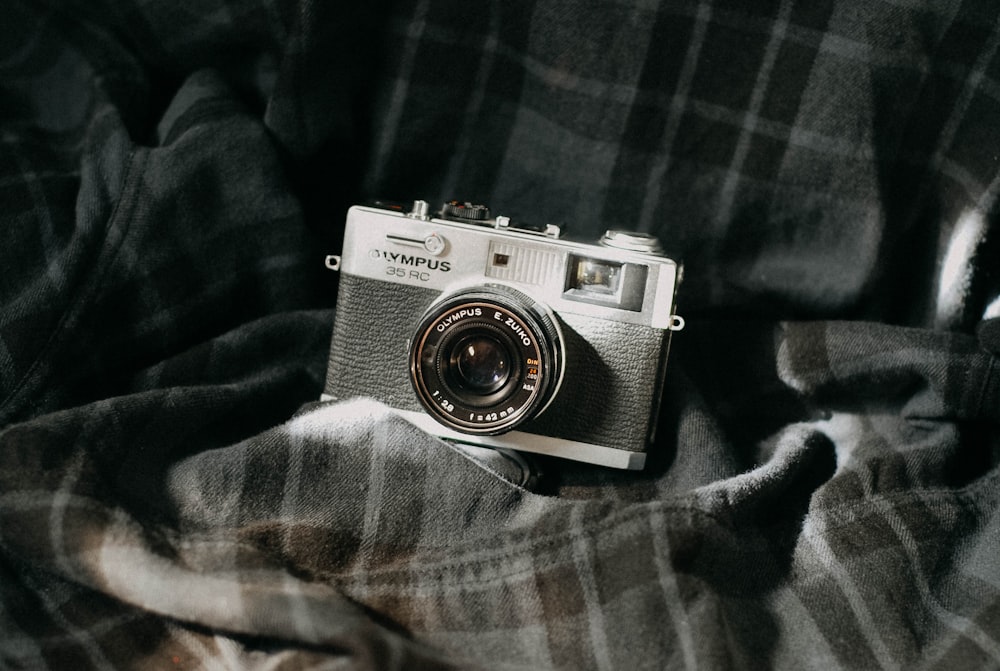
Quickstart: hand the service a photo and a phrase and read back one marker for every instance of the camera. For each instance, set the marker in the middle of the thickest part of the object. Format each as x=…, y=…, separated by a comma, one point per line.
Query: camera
x=490, y=332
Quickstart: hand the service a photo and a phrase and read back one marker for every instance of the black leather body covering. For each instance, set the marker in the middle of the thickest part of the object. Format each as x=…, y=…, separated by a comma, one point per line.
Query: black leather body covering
x=610, y=386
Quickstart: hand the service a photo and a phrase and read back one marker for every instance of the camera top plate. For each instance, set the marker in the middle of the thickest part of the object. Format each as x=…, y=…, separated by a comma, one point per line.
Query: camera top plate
x=621, y=278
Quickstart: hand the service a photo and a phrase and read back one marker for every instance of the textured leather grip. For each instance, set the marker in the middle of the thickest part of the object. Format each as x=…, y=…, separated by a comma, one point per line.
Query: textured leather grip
x=371, y=329
x=613, y=372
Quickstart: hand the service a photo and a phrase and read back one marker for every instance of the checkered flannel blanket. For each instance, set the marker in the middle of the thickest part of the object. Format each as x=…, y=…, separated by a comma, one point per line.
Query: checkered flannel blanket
x=824, y=490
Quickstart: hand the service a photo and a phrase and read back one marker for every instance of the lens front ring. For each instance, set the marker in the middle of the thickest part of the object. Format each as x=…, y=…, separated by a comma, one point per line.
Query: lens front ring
x=510, y=375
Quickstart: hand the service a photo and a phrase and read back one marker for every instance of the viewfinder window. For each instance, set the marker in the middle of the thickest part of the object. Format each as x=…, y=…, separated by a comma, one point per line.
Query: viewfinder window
x=604, y=282
x=596, y=277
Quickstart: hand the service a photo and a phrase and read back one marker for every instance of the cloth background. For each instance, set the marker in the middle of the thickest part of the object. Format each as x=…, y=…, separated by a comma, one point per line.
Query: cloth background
x=824, y=489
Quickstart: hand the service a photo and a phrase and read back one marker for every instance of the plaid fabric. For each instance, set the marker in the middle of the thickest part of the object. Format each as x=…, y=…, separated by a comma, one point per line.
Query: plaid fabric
x=824, y=491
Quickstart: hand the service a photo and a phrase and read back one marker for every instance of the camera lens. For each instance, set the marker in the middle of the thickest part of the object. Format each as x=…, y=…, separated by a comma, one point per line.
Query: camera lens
x=482, y=363
x=485, y=359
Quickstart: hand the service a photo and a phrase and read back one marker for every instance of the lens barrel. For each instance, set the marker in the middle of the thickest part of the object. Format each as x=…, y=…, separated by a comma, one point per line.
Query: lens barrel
x=485, y=359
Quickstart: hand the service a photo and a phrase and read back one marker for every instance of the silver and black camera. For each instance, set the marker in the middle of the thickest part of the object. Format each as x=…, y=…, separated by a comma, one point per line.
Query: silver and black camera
x=483, y=331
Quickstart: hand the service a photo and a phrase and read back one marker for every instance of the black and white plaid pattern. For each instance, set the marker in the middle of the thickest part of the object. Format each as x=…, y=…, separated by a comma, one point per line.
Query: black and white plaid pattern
x=824, y=490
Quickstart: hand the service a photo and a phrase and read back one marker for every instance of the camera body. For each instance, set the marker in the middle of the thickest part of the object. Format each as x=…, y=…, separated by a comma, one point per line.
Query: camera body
x=483, y=331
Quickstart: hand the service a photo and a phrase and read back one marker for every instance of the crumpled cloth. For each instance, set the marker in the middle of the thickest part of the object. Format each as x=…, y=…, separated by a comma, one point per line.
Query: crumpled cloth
x=824, y=488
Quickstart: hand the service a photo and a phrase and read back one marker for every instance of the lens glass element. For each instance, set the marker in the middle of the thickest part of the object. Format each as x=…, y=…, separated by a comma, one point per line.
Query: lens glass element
x=482, y=363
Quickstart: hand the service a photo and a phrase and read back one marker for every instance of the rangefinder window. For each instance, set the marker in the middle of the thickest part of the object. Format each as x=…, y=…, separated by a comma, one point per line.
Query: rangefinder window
x=603, y=282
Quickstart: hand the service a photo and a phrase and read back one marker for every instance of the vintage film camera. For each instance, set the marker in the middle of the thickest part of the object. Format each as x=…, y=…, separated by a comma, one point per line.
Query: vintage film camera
x=487, y=332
